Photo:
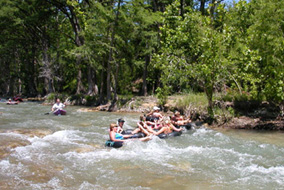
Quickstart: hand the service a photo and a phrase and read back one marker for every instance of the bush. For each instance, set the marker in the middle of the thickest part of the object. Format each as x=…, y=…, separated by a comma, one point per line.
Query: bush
x=51, y=98
x=197, y=100
x=91, y=100
x=162, y=95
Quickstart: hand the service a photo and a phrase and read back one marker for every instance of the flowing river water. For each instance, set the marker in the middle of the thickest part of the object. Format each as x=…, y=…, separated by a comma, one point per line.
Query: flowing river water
x=40, y=151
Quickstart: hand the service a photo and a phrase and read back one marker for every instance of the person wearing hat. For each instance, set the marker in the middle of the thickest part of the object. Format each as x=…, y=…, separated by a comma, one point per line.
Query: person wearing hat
x=10, y=102
x=154, y=114
x=120, y=123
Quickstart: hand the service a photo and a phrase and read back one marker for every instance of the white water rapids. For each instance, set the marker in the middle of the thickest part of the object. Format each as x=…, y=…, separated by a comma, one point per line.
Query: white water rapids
x=40, y=151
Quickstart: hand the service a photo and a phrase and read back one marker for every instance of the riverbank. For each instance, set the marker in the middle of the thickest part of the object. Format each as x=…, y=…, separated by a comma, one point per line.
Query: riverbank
x=245, y=122
x=246, y=115
x=261, y=117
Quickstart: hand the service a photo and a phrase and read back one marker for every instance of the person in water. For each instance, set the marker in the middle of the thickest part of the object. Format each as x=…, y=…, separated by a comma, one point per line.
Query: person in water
x=179, y=120
x=144, y=126
x=167, y=128
x=58, y=105
x=120, y=123
x=10, y=102
x=154, y=114
x=117, y=137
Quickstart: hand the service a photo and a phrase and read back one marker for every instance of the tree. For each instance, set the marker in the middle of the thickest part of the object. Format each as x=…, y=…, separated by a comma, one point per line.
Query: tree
x=192, y=50
x=256, y=46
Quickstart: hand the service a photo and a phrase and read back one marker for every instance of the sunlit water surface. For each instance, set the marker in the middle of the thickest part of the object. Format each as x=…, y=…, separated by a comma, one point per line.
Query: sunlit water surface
x=40, y=151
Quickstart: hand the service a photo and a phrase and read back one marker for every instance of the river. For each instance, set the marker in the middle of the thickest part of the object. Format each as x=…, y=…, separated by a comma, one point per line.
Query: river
x=39, y=151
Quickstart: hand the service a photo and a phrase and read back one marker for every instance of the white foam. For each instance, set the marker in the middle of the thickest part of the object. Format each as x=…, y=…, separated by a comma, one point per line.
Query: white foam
x=87, y=185
x=65, y=136
x=278, y=170
x=202, y=131
x=9, y=169
x=14, y=135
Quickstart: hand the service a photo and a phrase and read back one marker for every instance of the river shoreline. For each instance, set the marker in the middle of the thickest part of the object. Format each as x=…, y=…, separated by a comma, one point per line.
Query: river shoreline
x=251, y=122
x=144, y=105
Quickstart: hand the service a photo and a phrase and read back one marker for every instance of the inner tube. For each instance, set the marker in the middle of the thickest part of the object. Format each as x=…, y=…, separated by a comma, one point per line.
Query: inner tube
x=172, y=134
x=151, y=118
x=12, y=103
x=175, y=134
x=129, y=132
x=188, y=126
x=60, y=112
x=138, y=135
x=18, y=99
x=113, y=144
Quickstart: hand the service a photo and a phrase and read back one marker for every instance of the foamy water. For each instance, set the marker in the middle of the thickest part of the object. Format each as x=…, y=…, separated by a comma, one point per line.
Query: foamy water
x=68, y=152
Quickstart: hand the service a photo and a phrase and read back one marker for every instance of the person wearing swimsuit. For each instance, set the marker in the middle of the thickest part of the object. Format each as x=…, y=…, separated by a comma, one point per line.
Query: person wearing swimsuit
x=155, y=114
x=167, y=128
x=117, y=137
x=178, y=119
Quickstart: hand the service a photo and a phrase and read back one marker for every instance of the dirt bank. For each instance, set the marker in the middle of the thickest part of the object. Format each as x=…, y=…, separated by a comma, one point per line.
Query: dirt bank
x=245, y=122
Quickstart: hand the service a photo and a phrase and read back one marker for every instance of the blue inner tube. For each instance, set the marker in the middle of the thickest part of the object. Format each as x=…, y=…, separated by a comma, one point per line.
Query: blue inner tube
x=113, y=144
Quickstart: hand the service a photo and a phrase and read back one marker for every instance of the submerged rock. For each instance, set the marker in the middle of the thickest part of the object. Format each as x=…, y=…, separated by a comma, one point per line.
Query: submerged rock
x=9, y=144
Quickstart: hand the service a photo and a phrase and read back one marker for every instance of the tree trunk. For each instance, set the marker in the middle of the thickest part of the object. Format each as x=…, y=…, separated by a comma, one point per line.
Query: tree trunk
x=109, y=68
x=113, y=106
x=11, y=86
x=209, y=93
x=202, y=7
x=80, y=87
x=31, y=88
x=79, y=41
x=102, y=86
x=92, y=87
x=110, y=58
x=212, y=9
x=182, y=8
x=46, y=71
x=145, y=75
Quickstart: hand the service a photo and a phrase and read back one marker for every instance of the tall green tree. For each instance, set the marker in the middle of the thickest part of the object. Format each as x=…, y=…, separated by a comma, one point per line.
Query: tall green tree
x=257, y=41
x=192, y=50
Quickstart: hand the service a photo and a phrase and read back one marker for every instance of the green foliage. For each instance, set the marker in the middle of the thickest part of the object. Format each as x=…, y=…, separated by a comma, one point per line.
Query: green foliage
x=175, y=49
x=224, y=115
x=258, y=53
x=191, y=100
x=192, y=51
x=51, y=97
x=162, y=95
x=91, y=100
x=77, y=98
